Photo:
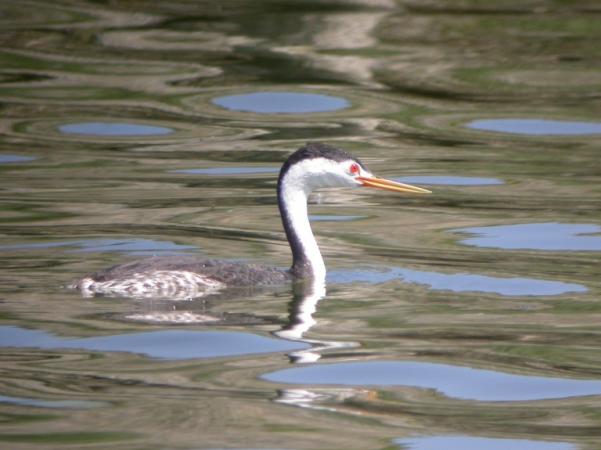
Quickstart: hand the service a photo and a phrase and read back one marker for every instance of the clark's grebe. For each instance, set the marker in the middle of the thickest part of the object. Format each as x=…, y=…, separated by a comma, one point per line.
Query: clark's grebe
x=313, y=166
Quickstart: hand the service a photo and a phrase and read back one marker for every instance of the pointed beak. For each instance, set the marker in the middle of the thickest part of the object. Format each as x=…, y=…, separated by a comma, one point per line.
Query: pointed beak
x=388, y=185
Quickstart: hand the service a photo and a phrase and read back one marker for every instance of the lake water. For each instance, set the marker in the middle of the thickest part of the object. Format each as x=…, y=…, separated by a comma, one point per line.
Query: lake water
x=469, y=318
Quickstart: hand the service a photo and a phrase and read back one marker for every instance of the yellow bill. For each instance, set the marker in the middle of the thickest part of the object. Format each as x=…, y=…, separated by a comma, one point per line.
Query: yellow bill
x=389, y=185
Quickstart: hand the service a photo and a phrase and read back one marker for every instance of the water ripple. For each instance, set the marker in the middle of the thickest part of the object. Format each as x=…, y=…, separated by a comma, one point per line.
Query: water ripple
x=537, y=127
x=281, y=102
x=113, y=129
x=223, y=171
x=131, y=246
x=162, y=344
x=478, y=443
x=448, y=180
x=10, y=159
x=459, y=282
x=483, y=385
x=550, y=236
x=52, y=404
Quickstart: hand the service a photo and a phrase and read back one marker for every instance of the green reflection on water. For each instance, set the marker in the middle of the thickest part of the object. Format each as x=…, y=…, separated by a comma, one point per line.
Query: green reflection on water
x=415, y=74
x=90, y=437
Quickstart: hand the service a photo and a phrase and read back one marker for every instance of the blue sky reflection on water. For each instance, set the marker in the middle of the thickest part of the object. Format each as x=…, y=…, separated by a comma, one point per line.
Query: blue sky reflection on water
x=161, y=344
x=333, y=218
x=459, y=282
x=452, y=381
x=449, y=180
x=536, y=236
x=50, y=404
x=113, y=129
x=220, y=171
x=14, y=159
x=281, y=102
x=478, y=443
x=537, y=127
x=132, y=246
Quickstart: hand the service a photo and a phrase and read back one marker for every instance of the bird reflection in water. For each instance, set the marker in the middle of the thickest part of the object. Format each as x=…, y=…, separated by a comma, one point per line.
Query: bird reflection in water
x=306, y=296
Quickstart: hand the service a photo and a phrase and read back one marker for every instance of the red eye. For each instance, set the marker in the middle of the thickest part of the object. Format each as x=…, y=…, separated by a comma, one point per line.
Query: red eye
x=354, y=169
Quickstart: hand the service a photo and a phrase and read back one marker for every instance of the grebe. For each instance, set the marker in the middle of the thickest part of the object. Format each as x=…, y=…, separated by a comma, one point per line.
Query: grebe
x=313, y=166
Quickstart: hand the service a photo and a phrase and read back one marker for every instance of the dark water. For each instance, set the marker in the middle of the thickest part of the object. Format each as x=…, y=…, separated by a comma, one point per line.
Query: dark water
x=469, y=318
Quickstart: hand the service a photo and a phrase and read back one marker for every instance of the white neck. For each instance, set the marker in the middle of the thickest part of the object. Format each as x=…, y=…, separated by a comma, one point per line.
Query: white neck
x=296, y=182
x=307, y=259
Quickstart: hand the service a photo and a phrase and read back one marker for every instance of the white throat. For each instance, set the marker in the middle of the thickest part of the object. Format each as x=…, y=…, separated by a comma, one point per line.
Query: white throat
x=295, y=204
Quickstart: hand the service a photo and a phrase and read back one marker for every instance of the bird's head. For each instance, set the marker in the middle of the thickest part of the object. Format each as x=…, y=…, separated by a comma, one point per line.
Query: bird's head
x=317, y=165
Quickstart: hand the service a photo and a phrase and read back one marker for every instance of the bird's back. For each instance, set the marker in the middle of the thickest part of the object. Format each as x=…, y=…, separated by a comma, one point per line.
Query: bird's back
x=177, y=277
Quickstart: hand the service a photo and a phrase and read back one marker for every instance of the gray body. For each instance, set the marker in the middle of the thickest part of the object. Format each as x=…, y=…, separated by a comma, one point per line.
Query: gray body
x=225, y=272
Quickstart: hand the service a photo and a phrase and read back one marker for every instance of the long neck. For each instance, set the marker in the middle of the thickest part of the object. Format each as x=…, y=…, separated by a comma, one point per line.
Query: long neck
x=306, y=257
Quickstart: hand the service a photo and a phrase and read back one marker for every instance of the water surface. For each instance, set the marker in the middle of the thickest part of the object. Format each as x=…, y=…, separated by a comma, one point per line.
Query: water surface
x=448, y=180
x=221, y=171
x=281, y=102
x=163, y=344
x=459, y=282
x=132, y=129
x=333, y=218
x=537, y=236
x=483, y=385
x=131, y=246
x=51, y=404
x=479, y=443
x=113, y=129
x=537, y=127
x=9, y=159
